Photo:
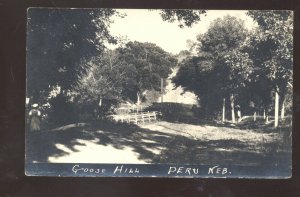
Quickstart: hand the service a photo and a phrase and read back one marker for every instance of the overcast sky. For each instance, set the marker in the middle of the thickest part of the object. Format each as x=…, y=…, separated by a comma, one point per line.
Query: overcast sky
x=148, y=26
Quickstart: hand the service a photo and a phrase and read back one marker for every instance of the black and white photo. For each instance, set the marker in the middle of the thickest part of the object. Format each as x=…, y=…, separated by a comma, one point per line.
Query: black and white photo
x=167, y=93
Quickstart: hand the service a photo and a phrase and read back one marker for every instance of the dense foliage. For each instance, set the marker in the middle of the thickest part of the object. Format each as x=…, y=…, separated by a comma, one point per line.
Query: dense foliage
x=124, y=74
x=184, y=17
x=247, y=68
x=146, y=65
x=59, y=41
x=208, y=74
x=232, y=67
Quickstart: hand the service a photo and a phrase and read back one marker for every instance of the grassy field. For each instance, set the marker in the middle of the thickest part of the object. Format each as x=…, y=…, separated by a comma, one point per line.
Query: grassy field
x=158, y=142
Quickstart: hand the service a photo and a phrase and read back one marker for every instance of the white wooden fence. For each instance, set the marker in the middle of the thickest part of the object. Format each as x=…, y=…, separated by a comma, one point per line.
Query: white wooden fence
x=136, y=118
x=254, y=117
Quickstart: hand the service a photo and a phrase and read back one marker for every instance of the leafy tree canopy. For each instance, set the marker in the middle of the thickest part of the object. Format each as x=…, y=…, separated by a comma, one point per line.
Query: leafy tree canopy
x=273, y=45
x=103, y=80
x=209, y=74
x=126, y=72
x=146, y=64
x=222, y=36
x=59, y=40
x=184, y=17
x=62, y=41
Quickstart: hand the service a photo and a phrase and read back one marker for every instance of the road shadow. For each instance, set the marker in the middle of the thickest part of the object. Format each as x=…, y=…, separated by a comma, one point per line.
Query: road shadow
x=151, y=146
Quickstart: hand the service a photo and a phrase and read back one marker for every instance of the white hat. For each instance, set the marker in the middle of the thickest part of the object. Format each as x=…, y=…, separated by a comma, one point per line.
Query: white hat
x=35, y=105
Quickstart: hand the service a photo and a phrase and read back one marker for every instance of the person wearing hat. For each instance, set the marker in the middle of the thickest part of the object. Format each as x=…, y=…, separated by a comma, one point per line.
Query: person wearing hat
x=34, y=115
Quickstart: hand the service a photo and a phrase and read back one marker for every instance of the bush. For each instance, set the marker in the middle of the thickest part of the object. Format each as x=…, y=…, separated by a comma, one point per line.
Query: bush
x=62, y=111
x=175, y=112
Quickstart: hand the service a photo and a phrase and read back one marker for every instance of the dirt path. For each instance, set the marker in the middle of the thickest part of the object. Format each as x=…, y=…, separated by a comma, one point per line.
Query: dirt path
x=177, y=95
x=159, y=142
x=206, y=133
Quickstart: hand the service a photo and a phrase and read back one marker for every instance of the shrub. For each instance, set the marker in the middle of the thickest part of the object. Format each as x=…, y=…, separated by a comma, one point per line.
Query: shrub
x=177, y=112
x=62, y=111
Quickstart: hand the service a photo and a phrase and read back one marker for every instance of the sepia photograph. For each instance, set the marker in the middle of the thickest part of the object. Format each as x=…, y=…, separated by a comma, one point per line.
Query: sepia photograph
x=159, y=92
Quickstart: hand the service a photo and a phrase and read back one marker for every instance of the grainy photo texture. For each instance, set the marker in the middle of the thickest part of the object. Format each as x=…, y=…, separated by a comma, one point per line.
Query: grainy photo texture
x=184, y=93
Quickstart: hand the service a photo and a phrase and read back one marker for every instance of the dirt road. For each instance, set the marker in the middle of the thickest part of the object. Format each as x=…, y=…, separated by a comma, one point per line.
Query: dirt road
x=159, y=142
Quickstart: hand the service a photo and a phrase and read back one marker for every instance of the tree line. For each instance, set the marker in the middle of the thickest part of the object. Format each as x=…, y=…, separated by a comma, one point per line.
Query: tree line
x=69, y=64
x=233, y=69
x=245, y=70
x=124, y=74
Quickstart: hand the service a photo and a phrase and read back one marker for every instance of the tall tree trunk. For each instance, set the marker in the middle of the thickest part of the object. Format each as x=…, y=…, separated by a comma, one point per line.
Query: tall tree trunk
x=162, y=89
x=276, y=109
x=223, y=110
x=232, y=108
x=282, y=111
x=138, y=95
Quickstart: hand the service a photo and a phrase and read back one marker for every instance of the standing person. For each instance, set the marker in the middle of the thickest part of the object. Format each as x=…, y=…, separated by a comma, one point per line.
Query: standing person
x=34, y=115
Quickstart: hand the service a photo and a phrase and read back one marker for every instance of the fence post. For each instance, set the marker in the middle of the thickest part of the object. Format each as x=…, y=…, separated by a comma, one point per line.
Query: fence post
x=149, y=116
x=239, y=113
x=136, y=120
x=282, y=111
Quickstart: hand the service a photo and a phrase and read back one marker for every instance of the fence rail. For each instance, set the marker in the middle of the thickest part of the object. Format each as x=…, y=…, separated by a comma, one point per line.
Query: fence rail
x=136, y=118
x=262, y=117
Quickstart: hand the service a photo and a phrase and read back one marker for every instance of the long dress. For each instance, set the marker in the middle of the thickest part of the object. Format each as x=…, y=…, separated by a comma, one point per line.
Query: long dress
x=35, y=120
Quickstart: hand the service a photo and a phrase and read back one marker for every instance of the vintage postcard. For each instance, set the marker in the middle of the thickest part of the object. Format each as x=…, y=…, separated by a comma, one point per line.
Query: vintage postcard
x=159, y=93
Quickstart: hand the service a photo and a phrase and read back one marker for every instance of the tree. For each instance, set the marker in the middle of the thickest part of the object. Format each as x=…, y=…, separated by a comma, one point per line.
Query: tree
x=102, y=86
x=222, y=38
x=59, y=41
x=241, y=69
x=123, y=74
x=184, y=17
x=64, y=46
x=273, y=50
x=145, y=65
x=208, y=74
